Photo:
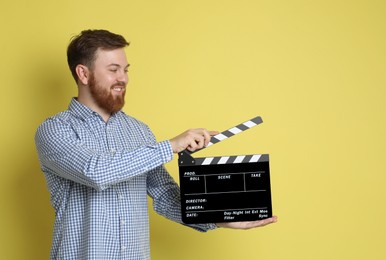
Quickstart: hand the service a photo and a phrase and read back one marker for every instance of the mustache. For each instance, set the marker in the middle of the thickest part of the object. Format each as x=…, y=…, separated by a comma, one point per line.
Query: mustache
x=119, y=84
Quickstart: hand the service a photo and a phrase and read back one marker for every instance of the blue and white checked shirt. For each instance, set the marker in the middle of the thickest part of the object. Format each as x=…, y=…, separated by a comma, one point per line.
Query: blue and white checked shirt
x=99, y=175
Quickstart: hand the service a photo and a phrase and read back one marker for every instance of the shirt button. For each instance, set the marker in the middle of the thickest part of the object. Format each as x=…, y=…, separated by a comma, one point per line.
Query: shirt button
x=123, y=222
x=123, y=248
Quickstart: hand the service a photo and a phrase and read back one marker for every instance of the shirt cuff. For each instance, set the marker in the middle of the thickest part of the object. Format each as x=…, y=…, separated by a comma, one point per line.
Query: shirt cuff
x=212, y=226
x=166, y=150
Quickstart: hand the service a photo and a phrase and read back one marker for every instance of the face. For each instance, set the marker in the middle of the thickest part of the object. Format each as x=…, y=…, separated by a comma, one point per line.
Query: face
x=108, y=79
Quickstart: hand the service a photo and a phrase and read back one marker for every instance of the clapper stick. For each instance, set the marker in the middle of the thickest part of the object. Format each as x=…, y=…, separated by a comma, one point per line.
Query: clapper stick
x=185, y=156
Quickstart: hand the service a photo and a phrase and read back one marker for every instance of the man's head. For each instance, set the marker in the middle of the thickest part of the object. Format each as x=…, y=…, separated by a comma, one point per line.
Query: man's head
x=83, y=47
x=99, y=66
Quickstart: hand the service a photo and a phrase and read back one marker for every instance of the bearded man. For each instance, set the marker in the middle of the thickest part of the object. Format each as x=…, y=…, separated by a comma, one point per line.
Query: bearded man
x=101, y=164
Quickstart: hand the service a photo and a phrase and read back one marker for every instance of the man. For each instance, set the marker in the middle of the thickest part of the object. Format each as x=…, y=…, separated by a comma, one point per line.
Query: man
x=100, y=164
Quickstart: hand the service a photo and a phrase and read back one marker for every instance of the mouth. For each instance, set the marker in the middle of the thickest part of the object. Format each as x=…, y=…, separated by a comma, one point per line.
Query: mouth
x=119, y=89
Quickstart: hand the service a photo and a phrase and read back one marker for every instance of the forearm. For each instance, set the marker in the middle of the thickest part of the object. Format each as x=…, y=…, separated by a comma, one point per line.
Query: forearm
x=100, y=170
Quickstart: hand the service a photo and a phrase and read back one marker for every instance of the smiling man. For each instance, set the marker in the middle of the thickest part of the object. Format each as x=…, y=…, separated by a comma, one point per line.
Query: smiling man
x=101, y=164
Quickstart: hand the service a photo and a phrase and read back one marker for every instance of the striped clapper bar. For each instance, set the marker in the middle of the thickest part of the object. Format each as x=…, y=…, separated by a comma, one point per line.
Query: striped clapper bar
x=225, y=188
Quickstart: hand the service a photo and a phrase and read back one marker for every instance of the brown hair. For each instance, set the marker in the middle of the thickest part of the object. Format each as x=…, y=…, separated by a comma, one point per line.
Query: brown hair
x=83, y=47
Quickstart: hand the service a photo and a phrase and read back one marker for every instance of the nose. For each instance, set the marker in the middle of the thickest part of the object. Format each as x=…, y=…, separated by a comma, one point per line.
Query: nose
x=123, y=77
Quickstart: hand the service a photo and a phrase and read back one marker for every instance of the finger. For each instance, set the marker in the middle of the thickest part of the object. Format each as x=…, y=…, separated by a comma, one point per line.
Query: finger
x=200, y=142
x=213, y=133
x=254, y=224
x=202, y=138
x=262, y=223
x=192, y=145
x=206, y=137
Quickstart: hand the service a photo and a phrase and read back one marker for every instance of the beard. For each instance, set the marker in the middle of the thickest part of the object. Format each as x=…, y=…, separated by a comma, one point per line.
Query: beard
x=104, y=98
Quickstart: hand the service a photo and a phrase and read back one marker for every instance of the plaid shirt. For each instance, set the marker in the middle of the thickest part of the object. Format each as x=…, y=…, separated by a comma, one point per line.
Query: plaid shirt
x=99, y=175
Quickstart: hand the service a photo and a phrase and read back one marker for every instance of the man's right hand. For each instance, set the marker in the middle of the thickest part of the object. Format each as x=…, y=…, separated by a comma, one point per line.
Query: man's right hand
x=192, y=140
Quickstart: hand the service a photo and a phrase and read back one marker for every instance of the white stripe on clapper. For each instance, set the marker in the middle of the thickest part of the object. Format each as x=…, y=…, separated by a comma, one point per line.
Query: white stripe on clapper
x=249, y=124
x=223, y=160
x=235, y=130
x=220, y=137
x=239, y=159
x=255, y=158
x=207, y=161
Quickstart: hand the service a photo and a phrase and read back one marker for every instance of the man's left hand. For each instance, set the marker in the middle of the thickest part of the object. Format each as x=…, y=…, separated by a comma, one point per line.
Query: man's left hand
x=248, y=224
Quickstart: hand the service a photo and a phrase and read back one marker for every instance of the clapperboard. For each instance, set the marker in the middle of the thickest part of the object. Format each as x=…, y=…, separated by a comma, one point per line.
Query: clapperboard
x=225, y=188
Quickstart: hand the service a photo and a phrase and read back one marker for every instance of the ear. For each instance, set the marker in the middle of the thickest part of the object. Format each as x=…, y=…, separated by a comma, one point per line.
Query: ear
x=83, y=74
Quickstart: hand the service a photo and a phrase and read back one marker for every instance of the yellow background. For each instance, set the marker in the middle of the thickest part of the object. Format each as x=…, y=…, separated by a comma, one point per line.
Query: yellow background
x=314, y=70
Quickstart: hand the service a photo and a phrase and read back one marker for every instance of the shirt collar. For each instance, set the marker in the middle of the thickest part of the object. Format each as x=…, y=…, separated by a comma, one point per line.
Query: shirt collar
x=80, y=110
x=83, y=111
